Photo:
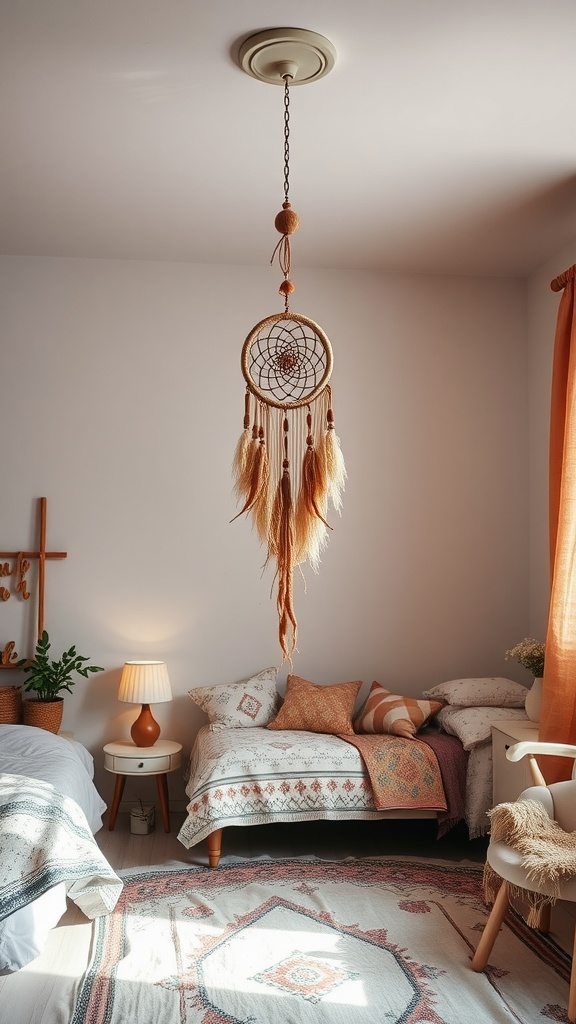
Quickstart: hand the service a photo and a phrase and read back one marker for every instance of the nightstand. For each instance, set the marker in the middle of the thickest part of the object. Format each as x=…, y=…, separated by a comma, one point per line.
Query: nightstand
x=124, y=758
x=510, y=778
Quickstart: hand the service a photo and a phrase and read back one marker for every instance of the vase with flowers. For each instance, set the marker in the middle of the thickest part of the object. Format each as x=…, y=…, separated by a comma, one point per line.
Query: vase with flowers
x=530, y=654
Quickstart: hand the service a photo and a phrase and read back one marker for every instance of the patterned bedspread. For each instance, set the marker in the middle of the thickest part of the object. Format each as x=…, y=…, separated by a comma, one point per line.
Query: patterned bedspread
x=45, y=839
x=255, y=777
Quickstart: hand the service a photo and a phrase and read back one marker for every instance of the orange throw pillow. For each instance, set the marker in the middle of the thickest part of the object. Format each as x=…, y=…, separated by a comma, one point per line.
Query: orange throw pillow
x=314, y=708
x=388, y=712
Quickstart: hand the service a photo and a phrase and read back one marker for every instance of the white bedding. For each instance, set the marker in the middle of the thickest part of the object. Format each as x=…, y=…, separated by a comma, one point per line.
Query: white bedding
x=250, y=777
x=64, y=764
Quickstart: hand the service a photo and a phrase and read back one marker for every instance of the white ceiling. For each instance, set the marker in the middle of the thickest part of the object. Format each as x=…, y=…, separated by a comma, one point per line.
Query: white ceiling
x=444, y=140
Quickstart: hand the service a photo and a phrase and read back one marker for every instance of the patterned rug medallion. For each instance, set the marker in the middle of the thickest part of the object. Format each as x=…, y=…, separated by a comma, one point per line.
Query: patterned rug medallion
x=374, y=941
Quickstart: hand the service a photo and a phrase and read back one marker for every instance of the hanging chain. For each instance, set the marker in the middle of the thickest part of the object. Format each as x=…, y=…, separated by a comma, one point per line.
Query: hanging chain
x=286, y=137
x=286, y=221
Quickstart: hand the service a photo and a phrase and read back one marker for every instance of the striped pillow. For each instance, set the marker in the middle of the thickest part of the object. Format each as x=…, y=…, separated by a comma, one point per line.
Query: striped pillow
x=387, y=712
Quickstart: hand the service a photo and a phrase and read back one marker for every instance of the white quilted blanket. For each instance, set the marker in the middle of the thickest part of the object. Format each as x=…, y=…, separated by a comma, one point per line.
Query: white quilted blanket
x=45, y=839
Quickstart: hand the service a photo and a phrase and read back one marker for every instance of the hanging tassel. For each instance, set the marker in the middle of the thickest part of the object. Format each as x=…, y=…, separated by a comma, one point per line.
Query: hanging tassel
x=262, y=507
x=243, y=455
x=281, y=548
x=335, y=469
x=311, y=525
x=314, y=484
x=258, y=476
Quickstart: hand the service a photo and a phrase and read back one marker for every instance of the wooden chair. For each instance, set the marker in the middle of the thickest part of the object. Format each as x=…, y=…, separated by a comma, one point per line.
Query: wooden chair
x=559, y=800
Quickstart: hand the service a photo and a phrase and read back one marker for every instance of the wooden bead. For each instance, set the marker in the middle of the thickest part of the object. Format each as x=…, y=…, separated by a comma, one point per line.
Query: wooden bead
x=287, y=220
x=286, y=288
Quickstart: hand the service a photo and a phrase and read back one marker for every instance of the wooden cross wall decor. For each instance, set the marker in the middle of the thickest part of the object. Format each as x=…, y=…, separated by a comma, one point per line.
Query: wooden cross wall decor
x=17, y=567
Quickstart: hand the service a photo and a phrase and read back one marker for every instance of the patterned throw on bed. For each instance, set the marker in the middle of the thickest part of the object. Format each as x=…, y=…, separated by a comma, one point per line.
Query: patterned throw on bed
x=45, y=839
x=255, y=777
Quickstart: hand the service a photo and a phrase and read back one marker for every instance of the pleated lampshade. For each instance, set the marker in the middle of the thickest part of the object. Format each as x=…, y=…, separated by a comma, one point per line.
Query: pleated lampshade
x=145, y=682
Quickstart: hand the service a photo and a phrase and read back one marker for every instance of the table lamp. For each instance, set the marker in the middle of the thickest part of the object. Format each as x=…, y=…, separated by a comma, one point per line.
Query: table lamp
x=145, y=683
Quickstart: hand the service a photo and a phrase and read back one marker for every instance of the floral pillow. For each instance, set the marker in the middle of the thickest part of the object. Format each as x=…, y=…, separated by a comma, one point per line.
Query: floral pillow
x=315, y=708
x=473, y=726
x=487, y=692
x=387, y=712
x=244, y=705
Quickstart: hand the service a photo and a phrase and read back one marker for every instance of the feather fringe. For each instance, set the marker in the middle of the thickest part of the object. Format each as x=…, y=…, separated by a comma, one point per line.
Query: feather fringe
x=311, y=509
x=289, y=505
x=282, y=549
x=240, y=471
x=258, y=478
x=335, y=468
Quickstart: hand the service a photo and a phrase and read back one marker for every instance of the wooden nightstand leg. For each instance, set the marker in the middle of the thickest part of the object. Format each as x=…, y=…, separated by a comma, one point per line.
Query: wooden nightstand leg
x=118, y=791
x=163, y=797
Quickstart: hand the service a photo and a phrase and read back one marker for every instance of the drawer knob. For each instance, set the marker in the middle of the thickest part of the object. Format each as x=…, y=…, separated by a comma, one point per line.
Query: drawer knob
x=141, y=765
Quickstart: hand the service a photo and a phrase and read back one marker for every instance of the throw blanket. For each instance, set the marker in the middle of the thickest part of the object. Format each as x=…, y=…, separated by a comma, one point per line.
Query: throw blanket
x=428, y=772
x=45, y=839
x=254, y=776
x=548, y=853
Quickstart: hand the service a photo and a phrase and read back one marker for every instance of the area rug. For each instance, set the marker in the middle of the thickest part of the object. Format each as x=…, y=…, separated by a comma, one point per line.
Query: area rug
x=370, y=941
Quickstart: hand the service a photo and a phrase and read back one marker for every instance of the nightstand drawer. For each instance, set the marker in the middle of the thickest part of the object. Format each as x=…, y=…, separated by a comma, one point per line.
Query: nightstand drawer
x=137, y=765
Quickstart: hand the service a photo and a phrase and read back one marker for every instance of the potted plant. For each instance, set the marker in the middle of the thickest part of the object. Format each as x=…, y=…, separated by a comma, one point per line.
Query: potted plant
x=46, y=679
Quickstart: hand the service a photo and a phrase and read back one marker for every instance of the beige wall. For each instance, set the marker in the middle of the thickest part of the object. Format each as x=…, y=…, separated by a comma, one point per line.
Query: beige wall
x=122, y=401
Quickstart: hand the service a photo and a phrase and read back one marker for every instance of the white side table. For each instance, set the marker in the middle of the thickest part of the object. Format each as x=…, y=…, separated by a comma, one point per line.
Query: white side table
x=123, y=758
x=510, y=778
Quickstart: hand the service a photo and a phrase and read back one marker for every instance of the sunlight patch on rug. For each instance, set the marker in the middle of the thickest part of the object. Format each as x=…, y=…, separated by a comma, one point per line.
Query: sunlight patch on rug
x=372, y=941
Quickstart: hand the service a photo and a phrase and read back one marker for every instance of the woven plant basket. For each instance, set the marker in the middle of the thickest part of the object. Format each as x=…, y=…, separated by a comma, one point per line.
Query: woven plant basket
x=44, y=714
x=10, y=705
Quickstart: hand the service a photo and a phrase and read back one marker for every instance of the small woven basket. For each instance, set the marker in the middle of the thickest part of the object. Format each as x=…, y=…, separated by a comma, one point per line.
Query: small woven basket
x=10, y=705
x=44, y=714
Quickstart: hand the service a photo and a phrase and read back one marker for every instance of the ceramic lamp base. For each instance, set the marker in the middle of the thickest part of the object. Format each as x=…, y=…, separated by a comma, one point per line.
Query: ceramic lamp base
x=145, y=730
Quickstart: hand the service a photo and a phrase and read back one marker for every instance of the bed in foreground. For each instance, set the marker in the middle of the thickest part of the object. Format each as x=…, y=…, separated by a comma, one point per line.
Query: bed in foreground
x=49, y=812
x=311, y=759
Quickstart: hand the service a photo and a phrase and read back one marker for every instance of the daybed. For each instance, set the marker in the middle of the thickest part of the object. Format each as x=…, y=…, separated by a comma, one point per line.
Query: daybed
x=49, y=811
x=398, y=757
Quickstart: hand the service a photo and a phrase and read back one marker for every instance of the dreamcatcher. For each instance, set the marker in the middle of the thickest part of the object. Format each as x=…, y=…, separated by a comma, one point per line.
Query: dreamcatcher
x=288, y=466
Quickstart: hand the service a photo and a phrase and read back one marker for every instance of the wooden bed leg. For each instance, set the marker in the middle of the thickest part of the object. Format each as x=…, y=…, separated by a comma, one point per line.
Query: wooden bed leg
x=491, y=929
x=214, y=847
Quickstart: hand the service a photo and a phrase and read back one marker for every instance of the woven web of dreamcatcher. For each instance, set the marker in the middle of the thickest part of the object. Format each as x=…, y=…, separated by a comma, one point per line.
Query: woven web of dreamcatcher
x=287, y=360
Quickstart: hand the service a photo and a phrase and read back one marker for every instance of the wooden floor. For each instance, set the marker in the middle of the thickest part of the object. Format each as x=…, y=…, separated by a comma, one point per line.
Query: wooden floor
x=44, y=991
x=327, y=839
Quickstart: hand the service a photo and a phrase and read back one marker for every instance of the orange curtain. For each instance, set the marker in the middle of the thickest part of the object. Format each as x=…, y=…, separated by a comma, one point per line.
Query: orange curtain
x=558, y=715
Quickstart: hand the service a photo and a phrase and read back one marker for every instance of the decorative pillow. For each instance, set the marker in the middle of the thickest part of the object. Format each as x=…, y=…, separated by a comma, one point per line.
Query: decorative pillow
x=489, y=692
x=249, y=703
x=387, y=712
x=473, y=726
x=316, y=708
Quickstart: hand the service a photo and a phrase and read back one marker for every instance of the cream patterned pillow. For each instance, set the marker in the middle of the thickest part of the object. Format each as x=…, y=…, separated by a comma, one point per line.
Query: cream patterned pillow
x=315, y=708
x=244, y=705
x=487, y=692
x=473, y=726
x=388, y=712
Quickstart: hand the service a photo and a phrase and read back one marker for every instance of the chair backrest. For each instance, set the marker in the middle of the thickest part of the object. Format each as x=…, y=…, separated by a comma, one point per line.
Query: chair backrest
x=559, y=800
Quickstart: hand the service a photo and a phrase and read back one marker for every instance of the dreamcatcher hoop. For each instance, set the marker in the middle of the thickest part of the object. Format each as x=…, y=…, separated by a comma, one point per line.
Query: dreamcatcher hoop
x=287, y=360
x=288, y=467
